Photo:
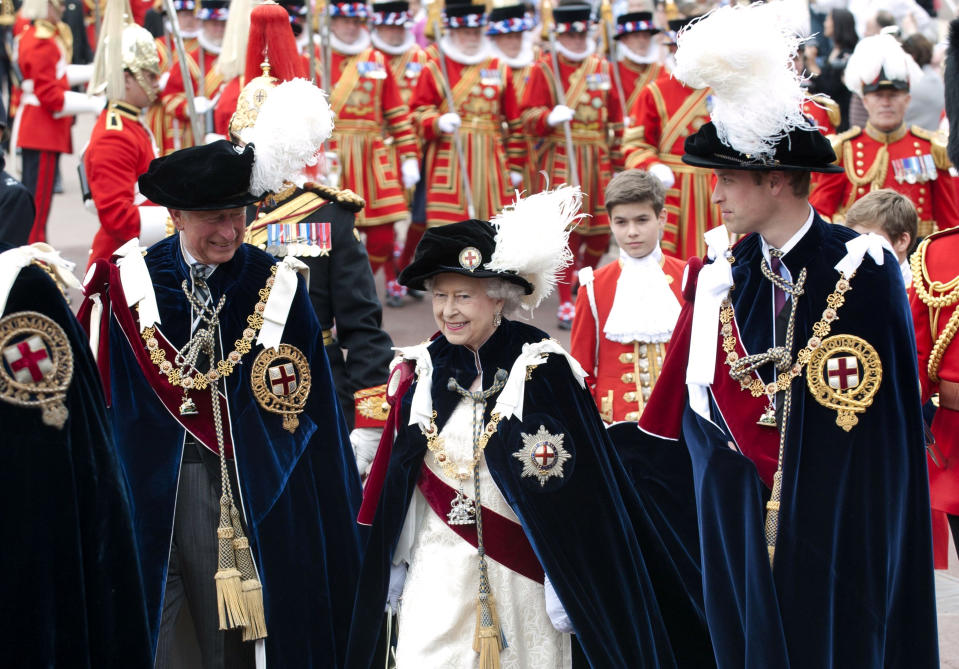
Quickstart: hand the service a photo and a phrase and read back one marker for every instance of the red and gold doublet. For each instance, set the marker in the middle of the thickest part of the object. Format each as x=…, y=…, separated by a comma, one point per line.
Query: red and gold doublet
x=874, y=159
x=484, y=98
x=623, y=376
x=406, y=68
x=366, y=103
x=666, y=112
x=178, y=132
x=635, y=78
x=120, y=150
x=43, y=54
x=596, y=128
x=520, y=80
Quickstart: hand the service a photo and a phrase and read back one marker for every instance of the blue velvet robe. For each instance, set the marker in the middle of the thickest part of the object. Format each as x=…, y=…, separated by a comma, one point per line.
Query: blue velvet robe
x=70, y=588
x=300, y=492
x=852, y=584
x=629, y=605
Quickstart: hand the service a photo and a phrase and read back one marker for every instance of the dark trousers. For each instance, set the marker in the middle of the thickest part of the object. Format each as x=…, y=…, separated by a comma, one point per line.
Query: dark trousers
x=39, y=174
x=193, y=562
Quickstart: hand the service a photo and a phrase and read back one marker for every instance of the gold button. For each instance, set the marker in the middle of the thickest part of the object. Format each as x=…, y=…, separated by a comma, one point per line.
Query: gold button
x=627, y=378
x=918, y=210
x=922, y=200
x=858, y=145
x=861, y=190
x=859, y=154
x=630, y=396
x=642, y=351
x=918, y=152
x=631, y=415
x=859, y=163
x=916, y=144
x=626, y=357
x=385, y=407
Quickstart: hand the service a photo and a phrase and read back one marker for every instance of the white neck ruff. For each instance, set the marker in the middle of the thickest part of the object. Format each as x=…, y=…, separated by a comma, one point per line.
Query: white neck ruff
x=651, y=55
x=361, y=43
x=644, y=307
x=207, y=45
x=454, y=54
x=574, y=56
x=408, y=43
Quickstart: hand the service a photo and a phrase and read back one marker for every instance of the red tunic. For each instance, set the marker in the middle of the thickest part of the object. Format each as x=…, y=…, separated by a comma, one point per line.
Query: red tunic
x=120, y=150
x=872, y=160
x=596, y=128
x=623, y=377
x=635, y=78
x=938, y=260
x=43, y=61
x=531, y=157
x=226, y=105
x=366, y=103
x=484, y=98
x=406, y=68
x=665, y=113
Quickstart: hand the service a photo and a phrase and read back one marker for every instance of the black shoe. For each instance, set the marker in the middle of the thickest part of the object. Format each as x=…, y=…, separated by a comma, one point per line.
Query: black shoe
x=394, y=301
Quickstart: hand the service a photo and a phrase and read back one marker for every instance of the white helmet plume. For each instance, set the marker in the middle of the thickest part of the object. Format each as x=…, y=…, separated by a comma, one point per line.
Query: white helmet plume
x=879, y=53
x=532, y=236
x=744, y=54
x=288, y=135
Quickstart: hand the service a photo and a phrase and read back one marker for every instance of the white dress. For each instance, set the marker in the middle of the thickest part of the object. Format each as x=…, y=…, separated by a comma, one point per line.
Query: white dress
x=437, y=615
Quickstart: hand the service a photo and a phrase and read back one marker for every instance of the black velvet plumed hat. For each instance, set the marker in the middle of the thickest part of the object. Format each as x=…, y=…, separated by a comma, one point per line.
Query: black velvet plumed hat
x=461, y=248
x=201, y=178
x=800, y=151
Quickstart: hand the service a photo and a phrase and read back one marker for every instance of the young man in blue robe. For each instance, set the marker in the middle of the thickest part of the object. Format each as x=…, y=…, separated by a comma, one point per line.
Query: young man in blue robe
x=792, y=382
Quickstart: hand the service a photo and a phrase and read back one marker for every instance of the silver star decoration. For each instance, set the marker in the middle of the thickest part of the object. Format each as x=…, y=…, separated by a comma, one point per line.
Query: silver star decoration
x=542, y=468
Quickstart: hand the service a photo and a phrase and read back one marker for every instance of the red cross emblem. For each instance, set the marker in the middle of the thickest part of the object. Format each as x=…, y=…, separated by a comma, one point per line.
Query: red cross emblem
x=29, y=360
x=470, y=258
x=544, y=455
x=282, y=379
x=843, y=372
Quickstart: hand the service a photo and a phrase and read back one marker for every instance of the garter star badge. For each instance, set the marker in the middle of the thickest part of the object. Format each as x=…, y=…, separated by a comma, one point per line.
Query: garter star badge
x=844, y=374
x=542, y=455
x=36, y=365
x=280, y=380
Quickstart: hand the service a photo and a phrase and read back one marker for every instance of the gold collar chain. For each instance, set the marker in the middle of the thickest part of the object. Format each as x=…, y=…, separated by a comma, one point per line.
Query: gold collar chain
x=820, y=330
x=437, y=446
x=223, y=367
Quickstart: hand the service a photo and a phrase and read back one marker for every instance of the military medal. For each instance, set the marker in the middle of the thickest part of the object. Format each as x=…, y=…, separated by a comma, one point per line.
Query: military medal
x=542, y=455
x=36, y=366
x=280, y=380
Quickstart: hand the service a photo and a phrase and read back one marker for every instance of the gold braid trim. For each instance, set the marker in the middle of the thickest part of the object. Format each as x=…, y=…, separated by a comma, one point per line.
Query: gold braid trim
x=949, y=297
x=345, y=197
x=839, y=140
x=875, y=176
x=937, y=146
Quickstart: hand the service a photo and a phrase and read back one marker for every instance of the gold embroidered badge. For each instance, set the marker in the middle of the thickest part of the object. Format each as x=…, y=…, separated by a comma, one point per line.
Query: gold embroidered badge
x=844, y=374
x=36, y=366
x=280, y=380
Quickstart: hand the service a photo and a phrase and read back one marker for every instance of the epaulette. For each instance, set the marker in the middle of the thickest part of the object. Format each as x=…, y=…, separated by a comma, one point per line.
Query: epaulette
x=44, y=30
x=831, y=107
x=938, y=146
x=838, y=140
x=945, y=232
x=345, y=197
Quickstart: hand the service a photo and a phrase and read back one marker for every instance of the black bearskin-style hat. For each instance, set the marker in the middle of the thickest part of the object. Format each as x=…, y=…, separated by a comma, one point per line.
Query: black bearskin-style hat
x=756, y=120
x=201, y=178
x=461, y=248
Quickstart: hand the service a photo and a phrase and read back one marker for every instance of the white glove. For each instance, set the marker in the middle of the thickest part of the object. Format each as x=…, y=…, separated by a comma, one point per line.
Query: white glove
x=80, y=103
x=411, y=172
x=554, y=609
x=560, y=114
x=663, y=173
x=365, y=441
x=515, y=178
x=201, y=105
x=397, y=582
x=449, y=122
x=79, y=74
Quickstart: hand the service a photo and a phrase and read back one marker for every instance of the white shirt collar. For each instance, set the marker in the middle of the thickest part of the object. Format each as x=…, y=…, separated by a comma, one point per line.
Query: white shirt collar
x=789, y=245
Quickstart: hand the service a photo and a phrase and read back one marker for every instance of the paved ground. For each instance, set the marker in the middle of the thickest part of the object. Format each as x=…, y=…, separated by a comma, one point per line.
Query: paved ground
x=72, y=227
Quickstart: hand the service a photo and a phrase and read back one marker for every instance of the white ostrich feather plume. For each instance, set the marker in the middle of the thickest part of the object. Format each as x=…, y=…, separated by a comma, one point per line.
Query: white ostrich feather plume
x=288, y=135
x=744, y=54
x=532, y=237
x=879, y=52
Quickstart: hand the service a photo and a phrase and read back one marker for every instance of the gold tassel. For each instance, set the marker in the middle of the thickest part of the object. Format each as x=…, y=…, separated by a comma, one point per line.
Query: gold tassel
x=488, y=639
x=252, y=589
x=229, y=599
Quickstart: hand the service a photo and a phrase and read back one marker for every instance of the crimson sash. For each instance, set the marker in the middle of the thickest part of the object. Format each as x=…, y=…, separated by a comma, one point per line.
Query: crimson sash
x=503, y=540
